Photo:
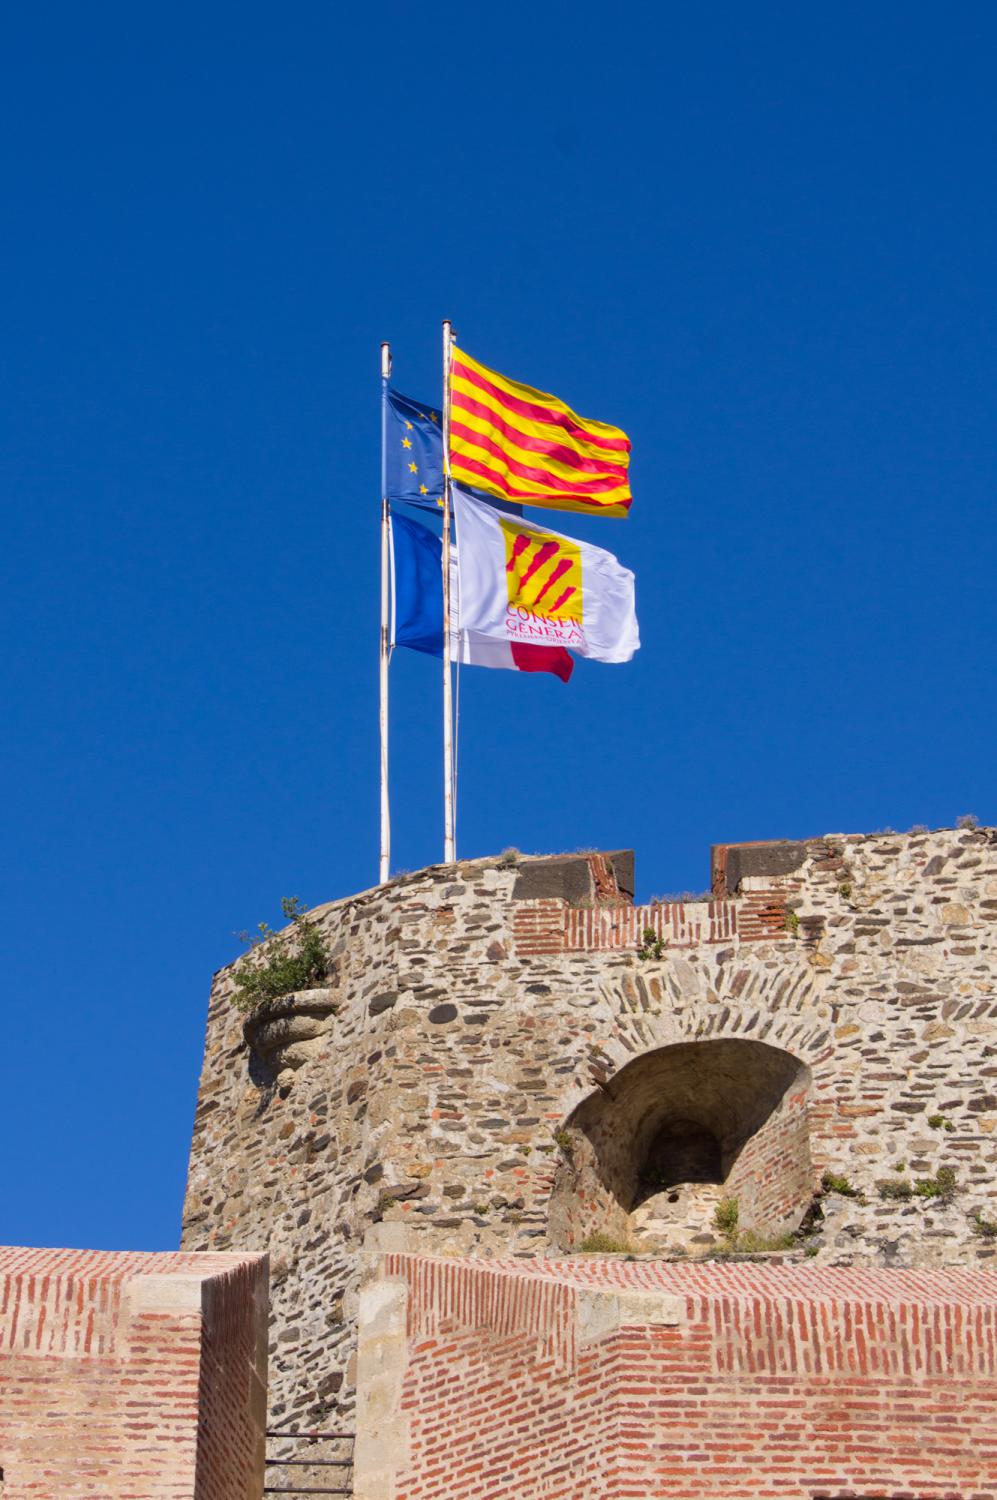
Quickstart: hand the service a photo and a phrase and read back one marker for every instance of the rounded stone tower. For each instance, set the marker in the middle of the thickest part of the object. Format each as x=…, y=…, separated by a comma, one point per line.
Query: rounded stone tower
x=511, y=1058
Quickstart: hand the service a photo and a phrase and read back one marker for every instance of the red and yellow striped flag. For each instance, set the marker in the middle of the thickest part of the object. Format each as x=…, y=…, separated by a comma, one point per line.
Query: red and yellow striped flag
x=522, y=445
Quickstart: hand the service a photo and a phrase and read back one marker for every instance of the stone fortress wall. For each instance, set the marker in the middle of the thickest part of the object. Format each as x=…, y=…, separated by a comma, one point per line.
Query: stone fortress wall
x=504, y=1065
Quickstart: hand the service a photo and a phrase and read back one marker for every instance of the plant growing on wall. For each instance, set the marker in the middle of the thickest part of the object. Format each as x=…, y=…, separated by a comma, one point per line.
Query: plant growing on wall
x=605, y=1244
x=834, y=1182
x=725, y=1217
x=983, y=1226
x=943, y=1185
x=652, y=946
x=296, y=959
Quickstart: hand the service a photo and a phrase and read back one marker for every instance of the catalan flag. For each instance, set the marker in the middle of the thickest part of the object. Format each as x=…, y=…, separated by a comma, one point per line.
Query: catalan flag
x=520, y=444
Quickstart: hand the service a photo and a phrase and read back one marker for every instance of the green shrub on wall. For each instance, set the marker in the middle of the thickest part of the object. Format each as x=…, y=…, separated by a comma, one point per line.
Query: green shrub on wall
x=293, y=960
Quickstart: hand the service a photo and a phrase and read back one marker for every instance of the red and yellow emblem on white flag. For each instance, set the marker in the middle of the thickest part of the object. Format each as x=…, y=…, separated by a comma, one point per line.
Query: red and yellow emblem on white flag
x=521, y=583
x=543, y=572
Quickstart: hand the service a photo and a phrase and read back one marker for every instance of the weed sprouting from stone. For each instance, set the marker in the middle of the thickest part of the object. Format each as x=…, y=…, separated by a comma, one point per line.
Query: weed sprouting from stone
x=984, y=1227
x=605, y=1244
x=901, y=1191
x=751, y=1243
x=967, y=820
x=725, y=1217
x=834, y=1182
x=293, y=960
x=652, y=946
x=942, y=1186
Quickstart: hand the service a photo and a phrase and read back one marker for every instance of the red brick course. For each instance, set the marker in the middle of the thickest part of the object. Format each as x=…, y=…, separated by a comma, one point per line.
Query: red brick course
x=772, y=1178
x=763, y=1382
x=132, y=1376
x=548, y=926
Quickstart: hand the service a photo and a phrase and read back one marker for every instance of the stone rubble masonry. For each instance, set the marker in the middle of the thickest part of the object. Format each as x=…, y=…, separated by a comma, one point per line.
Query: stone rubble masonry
x=482, y=1076
x=512, y=1380
x=132, y=1376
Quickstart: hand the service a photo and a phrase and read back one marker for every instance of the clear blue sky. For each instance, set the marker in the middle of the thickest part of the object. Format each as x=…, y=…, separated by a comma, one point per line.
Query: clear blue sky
x=759, y=238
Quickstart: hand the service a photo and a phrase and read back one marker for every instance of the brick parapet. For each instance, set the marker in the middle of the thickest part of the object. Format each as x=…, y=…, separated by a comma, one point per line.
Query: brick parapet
x=127, y=1374
x=454, y=1058
x=549, y=927
x=699, y=1381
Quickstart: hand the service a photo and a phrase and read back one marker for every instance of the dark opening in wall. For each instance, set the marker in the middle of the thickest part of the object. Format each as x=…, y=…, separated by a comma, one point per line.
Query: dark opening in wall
x=677, y=1124
x=682, y=1151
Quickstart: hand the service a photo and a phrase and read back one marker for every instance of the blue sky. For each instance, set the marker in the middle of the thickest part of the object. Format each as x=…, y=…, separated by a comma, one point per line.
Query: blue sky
x=759, y=238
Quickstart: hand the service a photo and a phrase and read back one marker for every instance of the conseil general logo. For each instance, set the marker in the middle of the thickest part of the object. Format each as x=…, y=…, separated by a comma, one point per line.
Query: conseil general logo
x=543, y=572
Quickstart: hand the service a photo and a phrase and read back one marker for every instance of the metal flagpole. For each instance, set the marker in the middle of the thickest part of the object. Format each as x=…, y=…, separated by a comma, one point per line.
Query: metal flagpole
x=449, y=843
x=385, y=866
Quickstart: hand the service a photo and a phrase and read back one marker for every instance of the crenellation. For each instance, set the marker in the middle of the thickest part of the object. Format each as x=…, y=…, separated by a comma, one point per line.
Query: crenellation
x=466, y=1082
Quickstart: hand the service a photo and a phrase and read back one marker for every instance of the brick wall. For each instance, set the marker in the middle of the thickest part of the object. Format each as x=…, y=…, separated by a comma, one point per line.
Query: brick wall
x=772, y=1178
x=626, y=1380
x=477, y=1012
x=547, y=927
x=132, y=1376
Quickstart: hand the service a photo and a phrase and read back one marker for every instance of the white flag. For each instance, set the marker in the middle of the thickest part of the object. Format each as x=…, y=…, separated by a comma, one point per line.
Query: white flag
x=525, y=585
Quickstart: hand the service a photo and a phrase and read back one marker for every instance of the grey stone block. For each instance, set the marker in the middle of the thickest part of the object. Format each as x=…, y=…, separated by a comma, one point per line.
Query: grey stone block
x=747, y=860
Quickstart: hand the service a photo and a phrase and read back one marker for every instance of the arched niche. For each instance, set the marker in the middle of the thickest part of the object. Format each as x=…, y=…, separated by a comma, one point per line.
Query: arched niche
x=651, y=1152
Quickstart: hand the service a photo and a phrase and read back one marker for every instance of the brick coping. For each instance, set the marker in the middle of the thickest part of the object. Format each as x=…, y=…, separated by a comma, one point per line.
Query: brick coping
x=965, y=1285
x=118, y=1265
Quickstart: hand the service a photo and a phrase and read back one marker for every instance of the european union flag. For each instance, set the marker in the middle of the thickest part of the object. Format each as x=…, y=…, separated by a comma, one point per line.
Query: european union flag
x=413, y=452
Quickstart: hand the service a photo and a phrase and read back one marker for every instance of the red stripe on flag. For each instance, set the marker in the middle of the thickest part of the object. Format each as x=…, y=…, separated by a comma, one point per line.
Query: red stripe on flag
x=460, y=461
x=563, y=599
x=564, y=566
x=542, y=659
x=539, y=413
x=545, y=551
x=526, y=471
x=521, y=544
x=544, y=446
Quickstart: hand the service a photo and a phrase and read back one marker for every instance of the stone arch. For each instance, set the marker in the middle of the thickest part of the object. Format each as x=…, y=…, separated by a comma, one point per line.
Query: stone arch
x=648, y=1154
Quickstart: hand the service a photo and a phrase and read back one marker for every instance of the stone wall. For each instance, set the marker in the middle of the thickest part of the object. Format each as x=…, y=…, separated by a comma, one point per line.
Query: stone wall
x=508, y=1380
x=126, y=1375
x=505, y=1063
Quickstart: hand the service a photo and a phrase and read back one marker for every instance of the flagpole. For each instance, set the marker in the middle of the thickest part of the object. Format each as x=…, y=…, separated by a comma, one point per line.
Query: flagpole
x=385, y=646
x=449, y=843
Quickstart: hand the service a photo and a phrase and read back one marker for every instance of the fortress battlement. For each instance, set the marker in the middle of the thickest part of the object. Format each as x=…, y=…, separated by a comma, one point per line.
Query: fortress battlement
x=512, y=1059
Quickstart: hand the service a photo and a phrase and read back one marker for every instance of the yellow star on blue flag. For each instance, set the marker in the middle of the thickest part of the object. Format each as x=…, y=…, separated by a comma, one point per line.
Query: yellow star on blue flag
x=413, y=444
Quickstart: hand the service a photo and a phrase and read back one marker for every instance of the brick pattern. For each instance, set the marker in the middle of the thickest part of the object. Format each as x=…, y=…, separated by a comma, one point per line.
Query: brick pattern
x=470, y=1027
x=527, y=1413
x=773, y=1382
x=773, y=1177
x=548, y=927
x=130, y=1375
